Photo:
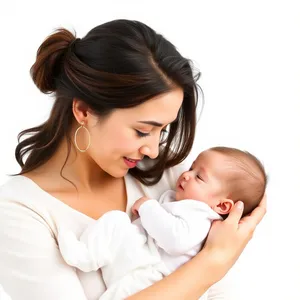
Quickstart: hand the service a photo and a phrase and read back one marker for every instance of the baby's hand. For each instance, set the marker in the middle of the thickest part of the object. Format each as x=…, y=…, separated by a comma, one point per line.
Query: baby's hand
x=136, y=206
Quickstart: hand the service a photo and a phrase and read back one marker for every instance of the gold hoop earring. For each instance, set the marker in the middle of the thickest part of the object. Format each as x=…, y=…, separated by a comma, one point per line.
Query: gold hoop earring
x=75, y=138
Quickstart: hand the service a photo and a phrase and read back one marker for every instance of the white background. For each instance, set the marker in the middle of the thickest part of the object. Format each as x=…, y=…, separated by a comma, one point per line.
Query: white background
x=249, y=55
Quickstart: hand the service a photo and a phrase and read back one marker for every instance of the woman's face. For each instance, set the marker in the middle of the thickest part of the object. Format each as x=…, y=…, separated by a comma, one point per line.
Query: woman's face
x=119, y=141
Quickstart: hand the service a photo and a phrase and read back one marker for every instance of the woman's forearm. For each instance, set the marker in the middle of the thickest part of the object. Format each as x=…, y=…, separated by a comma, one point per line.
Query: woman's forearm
x=190, y=281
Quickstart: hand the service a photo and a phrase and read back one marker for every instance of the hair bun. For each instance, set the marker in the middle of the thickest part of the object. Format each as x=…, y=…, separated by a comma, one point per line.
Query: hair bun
x=49, y=59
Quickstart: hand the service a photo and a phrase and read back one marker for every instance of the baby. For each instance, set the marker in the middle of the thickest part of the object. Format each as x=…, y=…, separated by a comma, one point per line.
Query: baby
x=170, y=231
x=220, y=177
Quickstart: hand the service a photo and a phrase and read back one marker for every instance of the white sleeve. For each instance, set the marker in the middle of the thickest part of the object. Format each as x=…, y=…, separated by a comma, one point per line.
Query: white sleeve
x=31, y=264
x=176, y=234
x=99, y=244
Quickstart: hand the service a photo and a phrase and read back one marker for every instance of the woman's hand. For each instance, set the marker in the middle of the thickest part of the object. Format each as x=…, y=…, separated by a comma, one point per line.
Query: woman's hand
x=227, y=239
x=225, y=242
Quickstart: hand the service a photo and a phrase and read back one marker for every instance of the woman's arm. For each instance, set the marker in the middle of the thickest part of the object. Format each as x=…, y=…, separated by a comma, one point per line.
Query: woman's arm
x=190, y=281
x=31, y=266
x=223, y=289
x=225, y=243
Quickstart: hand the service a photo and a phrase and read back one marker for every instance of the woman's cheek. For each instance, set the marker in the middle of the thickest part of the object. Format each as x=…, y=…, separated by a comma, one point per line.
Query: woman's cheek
x=128, y=144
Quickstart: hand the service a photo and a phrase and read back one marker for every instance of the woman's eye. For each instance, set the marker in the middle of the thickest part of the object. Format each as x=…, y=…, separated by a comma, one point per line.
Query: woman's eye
x=142, y=134
x=199, y=177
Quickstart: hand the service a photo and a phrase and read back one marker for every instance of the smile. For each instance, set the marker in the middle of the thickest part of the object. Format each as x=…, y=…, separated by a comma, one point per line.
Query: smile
x=131, y=163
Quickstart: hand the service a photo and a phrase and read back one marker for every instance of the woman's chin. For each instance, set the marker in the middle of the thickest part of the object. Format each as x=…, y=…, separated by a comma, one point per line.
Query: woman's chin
x=119, y=173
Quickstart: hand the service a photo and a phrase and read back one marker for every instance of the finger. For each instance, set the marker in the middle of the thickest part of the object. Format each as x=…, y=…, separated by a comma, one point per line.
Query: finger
x=263, y=202
x=236, y=213
x=258, y=213
x=250, y=222
x=134, y=211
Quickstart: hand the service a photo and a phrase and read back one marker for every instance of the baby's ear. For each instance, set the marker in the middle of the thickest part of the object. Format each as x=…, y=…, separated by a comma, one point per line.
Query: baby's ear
x=224, y=206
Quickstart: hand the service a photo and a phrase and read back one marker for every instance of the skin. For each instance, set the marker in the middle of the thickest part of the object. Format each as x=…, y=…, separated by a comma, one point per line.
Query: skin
x=224, y=244
x=204, y=181
x=99, y=173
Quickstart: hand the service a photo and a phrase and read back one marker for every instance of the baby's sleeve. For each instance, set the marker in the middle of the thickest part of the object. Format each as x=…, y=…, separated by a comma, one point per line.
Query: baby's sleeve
x=175, y=233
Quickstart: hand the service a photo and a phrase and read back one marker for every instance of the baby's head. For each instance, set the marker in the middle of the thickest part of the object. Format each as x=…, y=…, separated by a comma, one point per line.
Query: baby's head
x=221, y=176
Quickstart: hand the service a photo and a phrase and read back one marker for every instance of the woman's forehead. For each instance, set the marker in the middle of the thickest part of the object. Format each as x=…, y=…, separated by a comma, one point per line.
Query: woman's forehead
x=162, y=109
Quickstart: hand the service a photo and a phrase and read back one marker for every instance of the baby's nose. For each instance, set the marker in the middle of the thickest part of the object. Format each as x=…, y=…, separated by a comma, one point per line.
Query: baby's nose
x=186, y=177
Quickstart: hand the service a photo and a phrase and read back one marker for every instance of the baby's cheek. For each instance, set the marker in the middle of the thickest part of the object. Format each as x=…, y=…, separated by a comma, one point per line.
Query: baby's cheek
x=183, y=195
x=194, y=192
x=210, y=198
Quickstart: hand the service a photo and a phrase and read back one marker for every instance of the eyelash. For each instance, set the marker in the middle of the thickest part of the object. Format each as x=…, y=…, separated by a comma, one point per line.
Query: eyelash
x=144, y=134
x=199, y=177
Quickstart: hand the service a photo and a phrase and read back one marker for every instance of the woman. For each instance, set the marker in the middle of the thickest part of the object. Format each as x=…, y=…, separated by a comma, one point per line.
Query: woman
x=122, y=122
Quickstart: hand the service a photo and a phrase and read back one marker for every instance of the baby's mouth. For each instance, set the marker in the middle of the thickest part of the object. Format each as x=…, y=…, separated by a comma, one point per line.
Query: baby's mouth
x=180, y=187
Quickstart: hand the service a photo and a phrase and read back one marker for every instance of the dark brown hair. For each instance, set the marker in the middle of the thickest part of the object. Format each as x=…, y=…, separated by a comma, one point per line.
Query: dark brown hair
x=119, y=64
x=246, y=180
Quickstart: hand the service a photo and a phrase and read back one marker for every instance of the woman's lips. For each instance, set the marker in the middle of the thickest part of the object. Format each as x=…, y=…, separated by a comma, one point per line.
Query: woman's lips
x=131, y=163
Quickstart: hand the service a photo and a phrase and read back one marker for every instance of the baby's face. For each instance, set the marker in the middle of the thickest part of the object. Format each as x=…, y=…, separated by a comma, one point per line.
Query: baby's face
x=203, y=181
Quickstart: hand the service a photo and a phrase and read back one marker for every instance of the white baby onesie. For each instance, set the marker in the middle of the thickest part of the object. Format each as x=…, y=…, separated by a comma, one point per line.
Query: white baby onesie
x=178, y=228
x=133, y=256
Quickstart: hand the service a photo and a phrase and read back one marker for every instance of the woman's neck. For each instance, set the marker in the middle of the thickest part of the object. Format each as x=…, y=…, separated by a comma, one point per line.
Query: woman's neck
x=80, y=169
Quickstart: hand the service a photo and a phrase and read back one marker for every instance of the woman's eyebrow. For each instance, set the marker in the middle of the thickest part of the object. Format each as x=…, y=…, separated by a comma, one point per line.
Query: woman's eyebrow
x=153, y=123
x=156, y=124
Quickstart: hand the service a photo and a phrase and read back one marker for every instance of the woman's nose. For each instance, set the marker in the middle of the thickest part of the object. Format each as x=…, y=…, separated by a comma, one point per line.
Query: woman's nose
x=152, y=152
x=151, y=149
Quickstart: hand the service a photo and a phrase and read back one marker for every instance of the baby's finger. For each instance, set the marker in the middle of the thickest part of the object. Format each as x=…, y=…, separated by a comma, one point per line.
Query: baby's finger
x=134, y=211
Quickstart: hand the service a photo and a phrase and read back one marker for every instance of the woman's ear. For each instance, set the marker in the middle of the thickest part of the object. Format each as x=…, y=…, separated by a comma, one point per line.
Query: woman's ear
x=224, y=206
x=82, y=113
x=80, y=110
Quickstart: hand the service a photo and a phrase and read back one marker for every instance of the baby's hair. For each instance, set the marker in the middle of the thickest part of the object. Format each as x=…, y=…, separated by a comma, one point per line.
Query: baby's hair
x=247, y=179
